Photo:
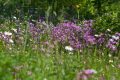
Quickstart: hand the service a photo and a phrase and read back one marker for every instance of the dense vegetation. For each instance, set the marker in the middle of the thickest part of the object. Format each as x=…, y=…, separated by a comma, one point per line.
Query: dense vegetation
x=59, y=40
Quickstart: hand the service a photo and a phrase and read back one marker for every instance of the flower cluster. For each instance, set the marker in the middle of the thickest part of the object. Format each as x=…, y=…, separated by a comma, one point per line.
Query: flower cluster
x=35, y=32
x=71, y=36
x=38, y=27
x=113, y=42
x=6, y=37
x=88, y=34
x=67, y=33
x=78, y=37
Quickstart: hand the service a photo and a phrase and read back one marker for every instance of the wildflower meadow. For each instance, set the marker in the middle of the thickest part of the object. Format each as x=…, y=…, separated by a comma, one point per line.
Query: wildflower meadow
x=60, y=40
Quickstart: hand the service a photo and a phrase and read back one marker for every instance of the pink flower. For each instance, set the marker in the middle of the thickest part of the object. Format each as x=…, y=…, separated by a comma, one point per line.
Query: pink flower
x=89, y=71
x=86, y=74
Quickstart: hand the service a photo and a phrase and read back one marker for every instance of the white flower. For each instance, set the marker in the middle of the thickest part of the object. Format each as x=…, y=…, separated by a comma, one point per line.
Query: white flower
x=115, y=37
x=15, y=30
x=11, y=41
x=7, y=33
x=110, y=61
x=69, y=48
x=110, y=55
x=96, y=35
x=14, y=17
x=108, y=30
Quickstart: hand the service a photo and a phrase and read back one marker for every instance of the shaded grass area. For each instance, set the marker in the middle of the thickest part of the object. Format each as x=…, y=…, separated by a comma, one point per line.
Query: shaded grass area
x=33, y=65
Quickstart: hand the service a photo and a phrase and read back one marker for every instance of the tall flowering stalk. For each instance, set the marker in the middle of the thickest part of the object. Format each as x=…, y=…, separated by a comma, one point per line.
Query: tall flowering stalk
x=88, y=35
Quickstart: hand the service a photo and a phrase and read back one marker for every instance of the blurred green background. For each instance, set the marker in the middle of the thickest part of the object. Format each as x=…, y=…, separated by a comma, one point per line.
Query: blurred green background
x=105, y=12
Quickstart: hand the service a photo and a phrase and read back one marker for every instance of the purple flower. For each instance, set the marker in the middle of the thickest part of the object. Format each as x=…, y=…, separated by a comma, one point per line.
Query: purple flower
x=113, y=42
x=41, y=19
x=34, y=30
x=88, y=23
x=89, y=39
x=115, y=37
x=111, y=46
x=89, y=71
x=67, y=33
x=100, y=38
x=88, y=32
x=117, y=34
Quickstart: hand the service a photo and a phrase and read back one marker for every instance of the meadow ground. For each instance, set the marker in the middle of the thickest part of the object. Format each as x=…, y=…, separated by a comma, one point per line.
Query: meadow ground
x=33, y=65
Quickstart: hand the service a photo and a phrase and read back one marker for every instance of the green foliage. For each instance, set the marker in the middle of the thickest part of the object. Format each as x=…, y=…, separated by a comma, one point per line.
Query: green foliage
x=31, y=65
x=81, y=9
x=109, y=19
